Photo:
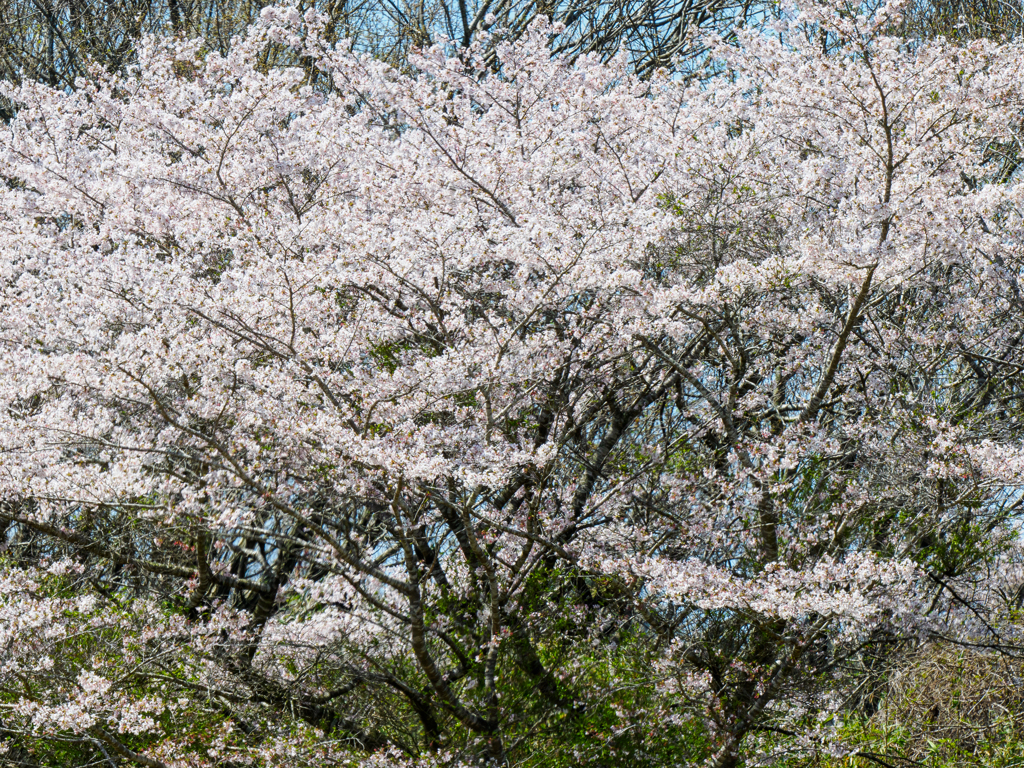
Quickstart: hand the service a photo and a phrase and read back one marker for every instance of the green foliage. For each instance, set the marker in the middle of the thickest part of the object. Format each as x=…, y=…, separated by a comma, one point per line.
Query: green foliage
x=946, y=708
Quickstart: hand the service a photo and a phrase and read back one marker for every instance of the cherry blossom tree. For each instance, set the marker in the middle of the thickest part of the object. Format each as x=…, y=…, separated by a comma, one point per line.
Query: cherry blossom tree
x=511, y=410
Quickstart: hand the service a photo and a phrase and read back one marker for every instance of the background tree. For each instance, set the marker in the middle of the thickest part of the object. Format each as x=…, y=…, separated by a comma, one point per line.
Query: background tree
x=965, y=20
x=56, y=41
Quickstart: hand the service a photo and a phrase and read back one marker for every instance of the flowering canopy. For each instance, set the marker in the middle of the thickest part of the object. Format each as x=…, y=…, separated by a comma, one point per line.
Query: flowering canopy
x=504, y=409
